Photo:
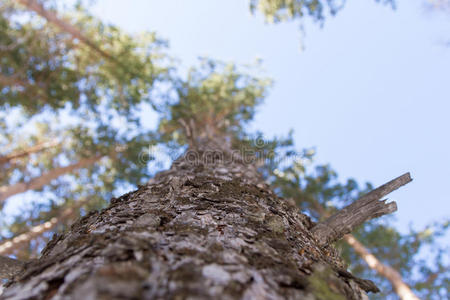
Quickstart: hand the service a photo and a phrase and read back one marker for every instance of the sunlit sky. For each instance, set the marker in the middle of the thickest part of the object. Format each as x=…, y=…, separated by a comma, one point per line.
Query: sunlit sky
x=370, y=91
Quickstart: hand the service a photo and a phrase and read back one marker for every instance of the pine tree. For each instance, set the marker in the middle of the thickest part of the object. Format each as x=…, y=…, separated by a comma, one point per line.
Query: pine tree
x=209, y=182
x=75, y=93
x=209, y=227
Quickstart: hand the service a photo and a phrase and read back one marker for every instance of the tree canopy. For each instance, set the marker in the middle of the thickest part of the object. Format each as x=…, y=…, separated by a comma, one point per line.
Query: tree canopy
x=276, y=11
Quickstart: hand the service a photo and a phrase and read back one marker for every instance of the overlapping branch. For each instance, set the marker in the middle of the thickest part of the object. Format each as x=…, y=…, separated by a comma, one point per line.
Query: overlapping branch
x=401, y=288
x=8, y=246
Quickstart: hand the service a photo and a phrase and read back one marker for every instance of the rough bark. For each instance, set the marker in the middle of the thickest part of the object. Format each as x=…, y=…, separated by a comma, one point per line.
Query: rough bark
x=365, y=208
x=9, y=267
x=9, y=246
x=401, y=288
x=46, y=178
x=208, y=228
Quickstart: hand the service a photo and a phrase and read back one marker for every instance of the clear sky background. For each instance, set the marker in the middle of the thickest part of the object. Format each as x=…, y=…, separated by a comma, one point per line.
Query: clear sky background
x=371, y=89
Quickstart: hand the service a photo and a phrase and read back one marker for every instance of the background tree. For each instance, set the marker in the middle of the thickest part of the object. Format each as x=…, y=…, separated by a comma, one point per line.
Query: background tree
x=276, y=11
x=61, y=101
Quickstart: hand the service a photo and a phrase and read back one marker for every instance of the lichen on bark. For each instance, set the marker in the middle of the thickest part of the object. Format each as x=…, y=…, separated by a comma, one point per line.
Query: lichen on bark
x=208, y=228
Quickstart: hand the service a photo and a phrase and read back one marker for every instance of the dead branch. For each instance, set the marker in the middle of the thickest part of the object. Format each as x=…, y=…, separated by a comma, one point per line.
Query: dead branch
x=365, y=208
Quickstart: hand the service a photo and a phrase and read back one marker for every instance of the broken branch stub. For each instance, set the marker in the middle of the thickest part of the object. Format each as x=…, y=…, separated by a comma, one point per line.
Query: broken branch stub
x=365, y=208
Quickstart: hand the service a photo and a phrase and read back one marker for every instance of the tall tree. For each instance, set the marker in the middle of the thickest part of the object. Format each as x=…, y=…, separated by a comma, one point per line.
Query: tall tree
x=210, y=219
x=211, y=107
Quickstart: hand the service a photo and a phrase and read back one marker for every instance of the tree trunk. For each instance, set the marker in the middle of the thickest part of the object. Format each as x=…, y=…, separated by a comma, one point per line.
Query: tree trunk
x=208, y=228
x=9, y=266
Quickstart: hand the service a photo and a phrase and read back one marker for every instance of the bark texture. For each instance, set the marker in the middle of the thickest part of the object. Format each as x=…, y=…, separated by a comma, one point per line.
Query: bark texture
x=9, y=267
x=208, y=228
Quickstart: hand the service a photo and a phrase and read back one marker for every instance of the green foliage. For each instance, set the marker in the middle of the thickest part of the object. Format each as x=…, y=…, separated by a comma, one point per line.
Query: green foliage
x=215, y=98
x=54, y=87
x=284, y=10
x=42, y=67
x=33, y=68
x=276, y=11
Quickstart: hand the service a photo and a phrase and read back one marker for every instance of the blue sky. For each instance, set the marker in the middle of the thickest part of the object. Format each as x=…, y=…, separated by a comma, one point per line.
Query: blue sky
x=371, y=89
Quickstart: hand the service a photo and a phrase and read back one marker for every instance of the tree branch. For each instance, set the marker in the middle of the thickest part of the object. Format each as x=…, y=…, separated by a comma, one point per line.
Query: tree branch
x=400, y=287
x=64, y=26
x=8, y=246
x=365, y=208
x=46, y=178
x=25, y=152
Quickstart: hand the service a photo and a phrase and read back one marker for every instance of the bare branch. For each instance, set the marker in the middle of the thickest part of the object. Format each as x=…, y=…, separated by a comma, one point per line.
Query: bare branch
x=365, y=208
x=400, y=287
